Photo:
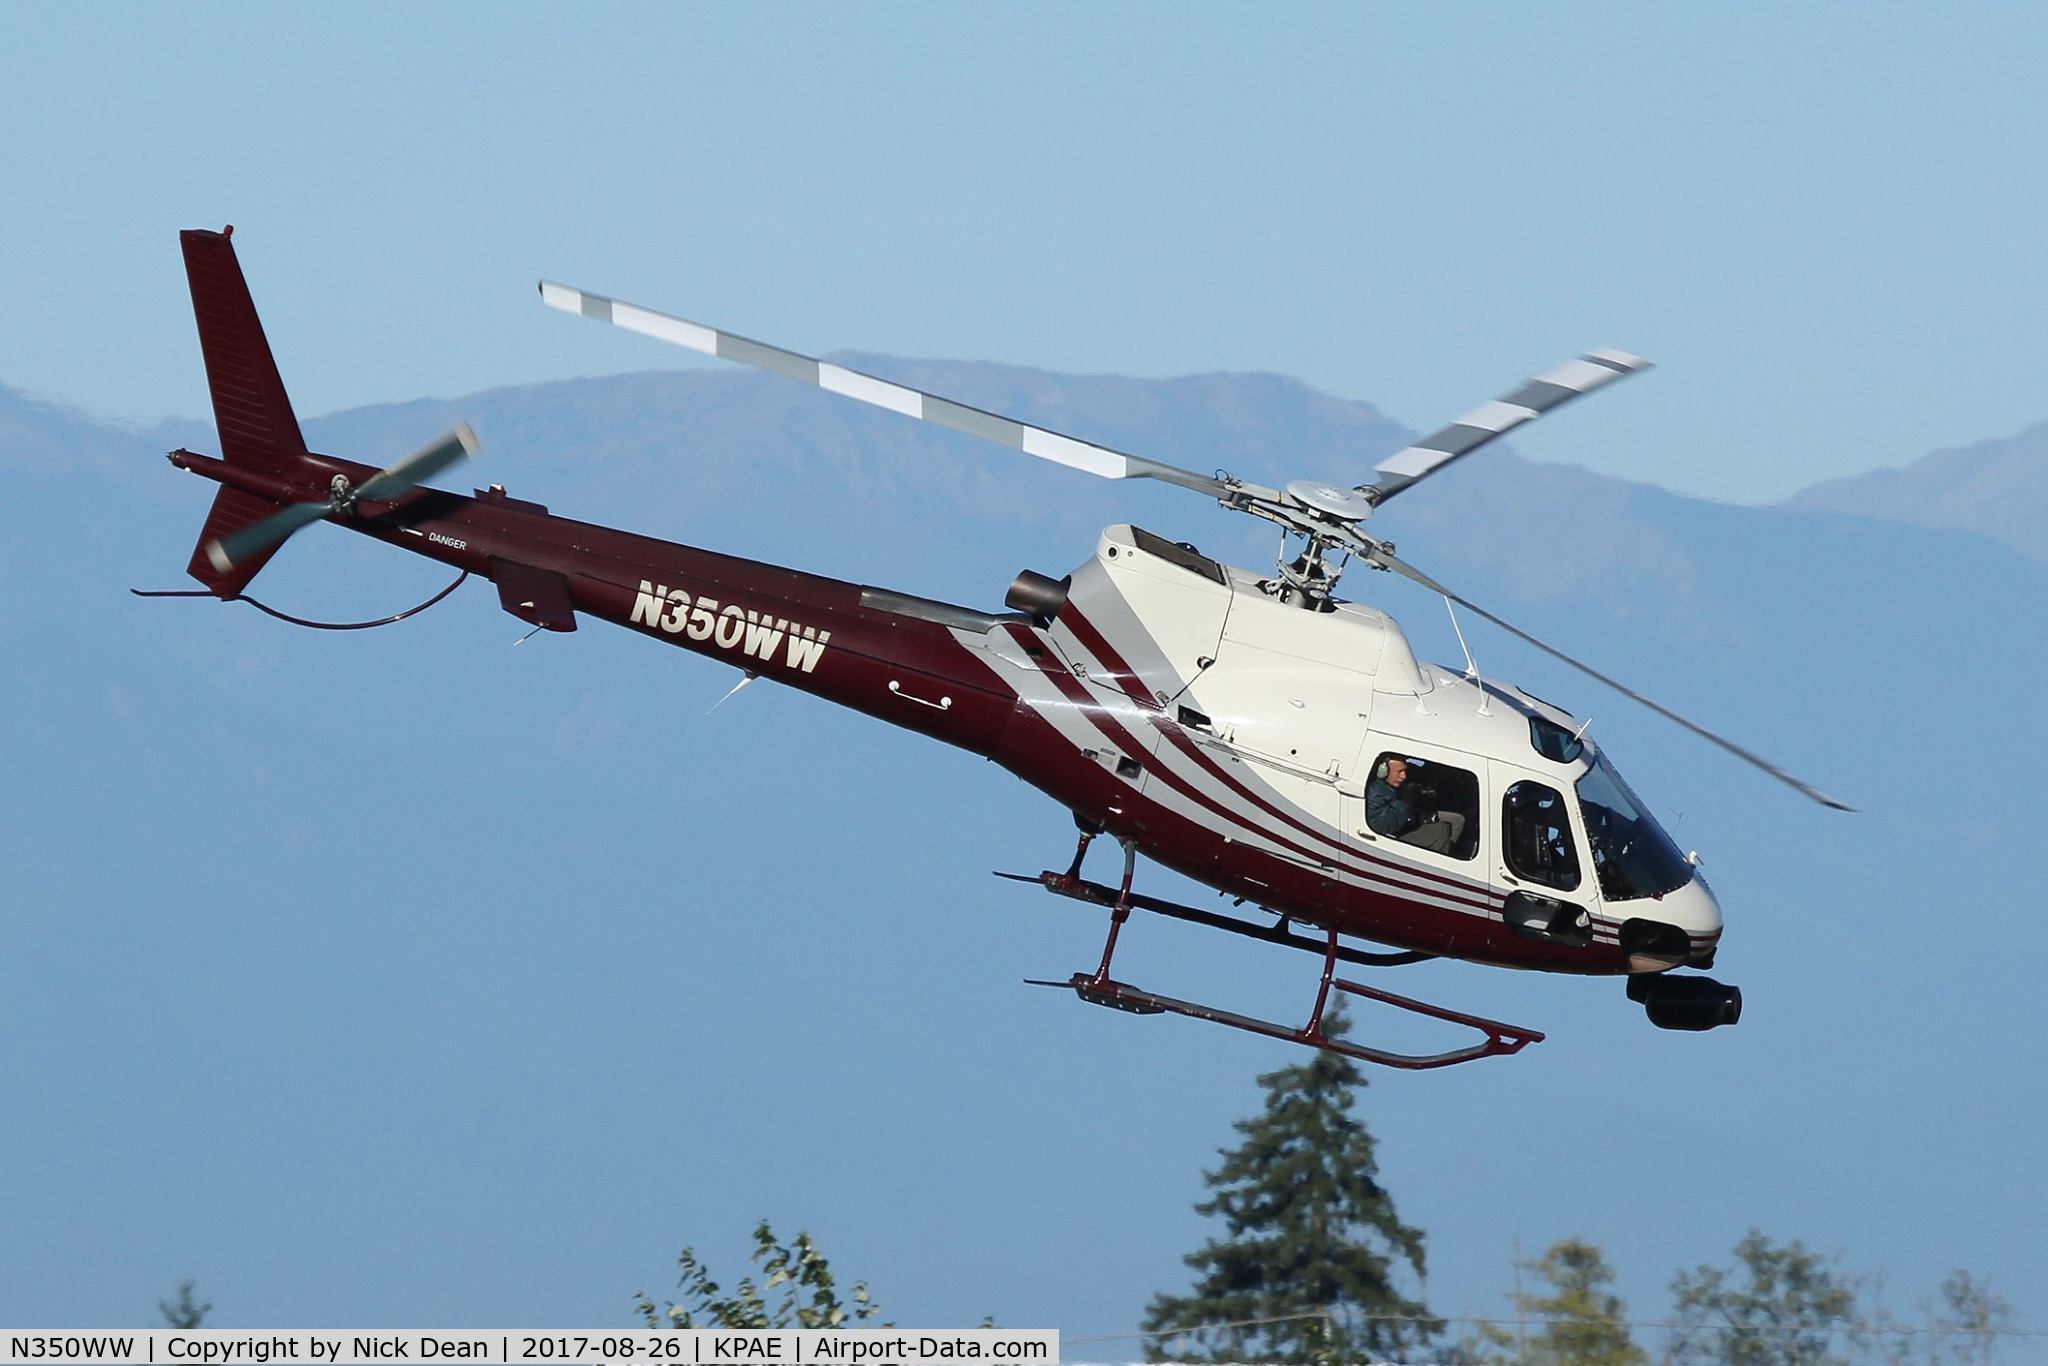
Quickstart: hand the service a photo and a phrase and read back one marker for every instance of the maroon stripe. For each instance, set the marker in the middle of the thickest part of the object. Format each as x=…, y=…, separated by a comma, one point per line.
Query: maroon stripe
x=1113, y=728
x=1096, y=644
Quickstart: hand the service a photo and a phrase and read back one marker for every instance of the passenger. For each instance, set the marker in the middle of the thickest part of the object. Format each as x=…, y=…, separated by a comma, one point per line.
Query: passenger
x=1390, y=813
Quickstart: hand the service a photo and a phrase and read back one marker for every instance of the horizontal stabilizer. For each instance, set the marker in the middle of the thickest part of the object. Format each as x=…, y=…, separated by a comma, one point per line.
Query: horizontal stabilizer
x=538, y=597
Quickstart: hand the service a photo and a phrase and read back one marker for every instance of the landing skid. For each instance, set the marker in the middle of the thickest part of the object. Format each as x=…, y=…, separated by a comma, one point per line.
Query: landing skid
x=1099, y=988
x=1500, y=1038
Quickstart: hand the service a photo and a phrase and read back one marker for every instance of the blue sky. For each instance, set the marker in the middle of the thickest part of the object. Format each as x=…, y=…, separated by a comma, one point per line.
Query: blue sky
x=1818, y=219
x=504, y=1075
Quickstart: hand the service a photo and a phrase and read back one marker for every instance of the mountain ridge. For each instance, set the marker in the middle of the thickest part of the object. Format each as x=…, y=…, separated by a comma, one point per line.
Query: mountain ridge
x=1254, y=423
x=1997, y=487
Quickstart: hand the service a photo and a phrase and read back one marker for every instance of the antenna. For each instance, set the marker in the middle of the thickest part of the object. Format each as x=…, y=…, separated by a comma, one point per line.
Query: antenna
x=734, y=691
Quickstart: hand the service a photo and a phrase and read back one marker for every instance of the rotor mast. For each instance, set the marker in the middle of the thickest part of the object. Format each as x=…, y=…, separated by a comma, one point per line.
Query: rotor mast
x=1326, y=518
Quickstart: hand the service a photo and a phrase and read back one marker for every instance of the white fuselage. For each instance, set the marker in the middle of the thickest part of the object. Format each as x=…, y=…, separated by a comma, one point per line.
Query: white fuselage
x=1234, y=714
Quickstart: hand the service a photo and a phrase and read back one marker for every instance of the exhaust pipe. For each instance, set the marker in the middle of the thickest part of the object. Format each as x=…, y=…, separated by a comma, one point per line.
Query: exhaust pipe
x=1033, y=593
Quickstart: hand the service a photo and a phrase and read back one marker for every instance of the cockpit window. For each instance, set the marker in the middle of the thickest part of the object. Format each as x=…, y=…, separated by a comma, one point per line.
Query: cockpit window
x=1631, y=852
x=1553, y=741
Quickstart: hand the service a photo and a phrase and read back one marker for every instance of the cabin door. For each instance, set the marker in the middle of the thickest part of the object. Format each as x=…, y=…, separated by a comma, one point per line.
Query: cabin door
x=1539, y=861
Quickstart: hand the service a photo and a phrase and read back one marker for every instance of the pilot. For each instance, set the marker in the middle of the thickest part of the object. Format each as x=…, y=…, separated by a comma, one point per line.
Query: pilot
x=1389, y=812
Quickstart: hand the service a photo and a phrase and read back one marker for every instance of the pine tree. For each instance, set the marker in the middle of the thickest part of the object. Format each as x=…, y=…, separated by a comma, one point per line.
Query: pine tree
x=184, y=1311
x=1306, y=1270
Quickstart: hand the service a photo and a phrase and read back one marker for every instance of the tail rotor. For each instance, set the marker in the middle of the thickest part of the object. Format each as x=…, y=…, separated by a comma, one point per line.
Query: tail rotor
x=259, y=537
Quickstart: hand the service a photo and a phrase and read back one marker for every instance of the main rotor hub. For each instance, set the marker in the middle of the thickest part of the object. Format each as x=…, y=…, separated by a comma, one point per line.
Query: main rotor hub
x=1337, y=504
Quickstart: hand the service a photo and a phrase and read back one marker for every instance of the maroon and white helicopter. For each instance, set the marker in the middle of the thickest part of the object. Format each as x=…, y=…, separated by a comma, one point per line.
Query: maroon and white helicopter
x=1250, y=730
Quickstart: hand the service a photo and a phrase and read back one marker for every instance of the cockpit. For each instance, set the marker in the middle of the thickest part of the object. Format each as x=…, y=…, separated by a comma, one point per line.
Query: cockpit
x=1632, y=855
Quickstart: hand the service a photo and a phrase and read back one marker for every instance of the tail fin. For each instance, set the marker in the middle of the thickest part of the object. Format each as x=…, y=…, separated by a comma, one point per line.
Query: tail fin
x=250, y=407
x=232, y=510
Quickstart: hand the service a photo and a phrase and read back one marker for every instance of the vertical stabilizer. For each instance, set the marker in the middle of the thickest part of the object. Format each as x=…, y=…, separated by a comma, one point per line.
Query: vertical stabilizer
x=250, y=408
x=232, y=511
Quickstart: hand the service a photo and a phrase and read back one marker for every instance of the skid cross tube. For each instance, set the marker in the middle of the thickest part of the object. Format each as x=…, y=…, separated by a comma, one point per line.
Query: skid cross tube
x=1095, y=893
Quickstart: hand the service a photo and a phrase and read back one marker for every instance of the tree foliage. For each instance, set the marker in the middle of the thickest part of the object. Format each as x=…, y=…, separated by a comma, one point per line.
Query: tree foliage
x=1961, y=1330
x=1970, y=1319
x=1778, y=1303
x=808, y=1298
x=1583, y=1321
x=1580, y=1322
x=1306, y=1270
x=184, y=1311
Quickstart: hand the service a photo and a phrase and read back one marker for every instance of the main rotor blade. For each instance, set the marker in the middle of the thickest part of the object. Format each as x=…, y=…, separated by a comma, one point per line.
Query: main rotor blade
x=1548, y=391
x=422, y=465
x=1381, y=557
x=897, y=398
x=231, y=550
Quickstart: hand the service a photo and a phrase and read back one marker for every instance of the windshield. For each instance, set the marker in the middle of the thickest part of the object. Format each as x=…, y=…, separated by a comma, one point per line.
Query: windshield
x=1631, y=852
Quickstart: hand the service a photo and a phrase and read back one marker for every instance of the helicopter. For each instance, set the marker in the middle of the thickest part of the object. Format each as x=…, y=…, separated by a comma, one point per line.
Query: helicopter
x=1250, y=730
